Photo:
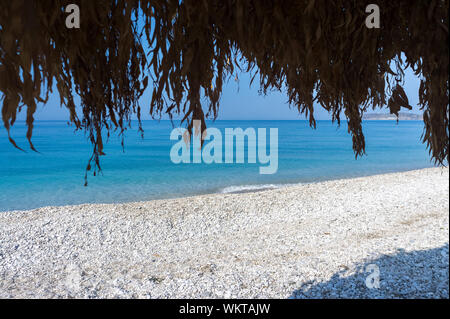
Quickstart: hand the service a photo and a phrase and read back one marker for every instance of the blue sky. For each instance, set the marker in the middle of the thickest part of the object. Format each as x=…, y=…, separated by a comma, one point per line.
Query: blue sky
x=239, y=102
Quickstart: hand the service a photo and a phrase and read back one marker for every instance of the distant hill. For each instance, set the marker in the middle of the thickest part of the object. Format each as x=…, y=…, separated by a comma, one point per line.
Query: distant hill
x=389, y=117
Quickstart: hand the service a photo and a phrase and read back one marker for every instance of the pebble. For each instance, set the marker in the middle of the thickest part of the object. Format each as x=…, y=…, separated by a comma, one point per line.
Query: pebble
x=303, y=241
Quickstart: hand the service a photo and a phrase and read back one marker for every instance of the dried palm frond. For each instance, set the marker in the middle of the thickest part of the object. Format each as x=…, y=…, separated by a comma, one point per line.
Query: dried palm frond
x=320, y=52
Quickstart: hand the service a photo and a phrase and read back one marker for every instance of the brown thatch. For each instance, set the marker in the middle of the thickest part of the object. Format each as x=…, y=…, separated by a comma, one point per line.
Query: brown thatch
x=320, y=52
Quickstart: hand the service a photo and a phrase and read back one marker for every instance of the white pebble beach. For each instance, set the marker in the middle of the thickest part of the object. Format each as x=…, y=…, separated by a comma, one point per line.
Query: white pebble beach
x=305, y=241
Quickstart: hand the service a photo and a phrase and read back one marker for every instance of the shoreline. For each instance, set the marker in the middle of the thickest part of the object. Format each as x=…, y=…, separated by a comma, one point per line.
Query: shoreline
x=304, y=241
x=246, y=188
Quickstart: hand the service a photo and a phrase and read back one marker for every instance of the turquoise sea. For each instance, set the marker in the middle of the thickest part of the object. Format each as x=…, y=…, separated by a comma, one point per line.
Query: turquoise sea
x=144, y=171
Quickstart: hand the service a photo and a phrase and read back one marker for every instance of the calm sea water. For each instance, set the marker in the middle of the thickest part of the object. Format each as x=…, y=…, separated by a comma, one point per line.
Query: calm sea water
x=144, y=171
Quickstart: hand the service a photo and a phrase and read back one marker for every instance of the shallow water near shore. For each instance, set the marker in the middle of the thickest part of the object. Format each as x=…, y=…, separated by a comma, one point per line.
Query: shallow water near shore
x=55, y=176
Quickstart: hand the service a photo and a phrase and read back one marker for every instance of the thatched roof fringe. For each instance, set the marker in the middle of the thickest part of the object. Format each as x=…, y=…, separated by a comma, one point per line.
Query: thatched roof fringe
x=320, y=51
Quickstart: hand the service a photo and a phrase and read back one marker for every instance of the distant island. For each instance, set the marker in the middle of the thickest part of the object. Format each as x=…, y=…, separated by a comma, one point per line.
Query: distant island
x=386, y=117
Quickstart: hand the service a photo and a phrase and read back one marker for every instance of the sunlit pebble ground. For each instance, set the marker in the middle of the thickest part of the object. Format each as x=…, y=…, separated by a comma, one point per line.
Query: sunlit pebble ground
x=307, y=241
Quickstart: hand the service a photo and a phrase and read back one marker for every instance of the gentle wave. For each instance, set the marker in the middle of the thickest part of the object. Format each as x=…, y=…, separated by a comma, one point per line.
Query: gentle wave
x=249, y=188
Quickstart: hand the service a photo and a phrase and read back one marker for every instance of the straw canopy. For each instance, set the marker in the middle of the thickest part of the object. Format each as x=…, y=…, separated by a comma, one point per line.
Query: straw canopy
x=320, y=53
